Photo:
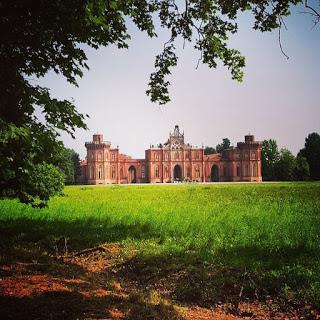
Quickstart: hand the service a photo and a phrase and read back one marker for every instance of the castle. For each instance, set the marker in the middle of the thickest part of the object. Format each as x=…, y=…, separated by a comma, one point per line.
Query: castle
x=172, y=161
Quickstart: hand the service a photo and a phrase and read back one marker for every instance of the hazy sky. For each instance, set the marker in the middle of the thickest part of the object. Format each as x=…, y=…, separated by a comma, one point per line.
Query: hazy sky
x=278, y=98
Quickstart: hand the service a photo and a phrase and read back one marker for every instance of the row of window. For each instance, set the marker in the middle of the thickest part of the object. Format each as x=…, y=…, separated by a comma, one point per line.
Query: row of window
x=197, y=171
x=246, y=155
x=113, y=172
x=99, y=156
x=246, y=170
x=178, y=155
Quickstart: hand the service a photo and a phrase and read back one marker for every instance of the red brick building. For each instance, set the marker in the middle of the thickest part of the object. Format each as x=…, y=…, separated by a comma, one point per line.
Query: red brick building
x=174, y=160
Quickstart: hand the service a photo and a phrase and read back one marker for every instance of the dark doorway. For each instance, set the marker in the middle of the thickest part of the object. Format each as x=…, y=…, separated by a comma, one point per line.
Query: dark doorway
x=177, y=173
x=214, y=173
x=132, y=175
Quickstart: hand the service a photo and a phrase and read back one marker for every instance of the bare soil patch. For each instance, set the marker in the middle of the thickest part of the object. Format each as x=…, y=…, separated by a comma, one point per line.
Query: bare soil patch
x=111, y=282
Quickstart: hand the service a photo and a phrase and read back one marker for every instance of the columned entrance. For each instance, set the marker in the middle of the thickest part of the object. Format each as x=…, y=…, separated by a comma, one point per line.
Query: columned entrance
x=177, y=172
x=132, y=175
x=214, y=173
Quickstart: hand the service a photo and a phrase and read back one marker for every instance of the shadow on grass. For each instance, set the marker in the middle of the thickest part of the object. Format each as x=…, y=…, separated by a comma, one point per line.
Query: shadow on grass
x=289, y=275
x=73, y=305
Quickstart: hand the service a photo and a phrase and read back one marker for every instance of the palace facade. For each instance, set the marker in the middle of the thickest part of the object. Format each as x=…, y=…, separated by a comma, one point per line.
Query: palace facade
x=172, y=161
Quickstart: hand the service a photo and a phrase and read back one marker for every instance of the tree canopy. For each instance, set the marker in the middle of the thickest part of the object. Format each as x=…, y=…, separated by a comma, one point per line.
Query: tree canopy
x=311, y=152
x=39, y=36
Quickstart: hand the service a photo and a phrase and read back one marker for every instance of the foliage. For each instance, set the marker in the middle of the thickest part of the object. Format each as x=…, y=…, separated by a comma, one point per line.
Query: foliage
x=39, y=36
x=45, y=181
x=269, y=231
x=269, y=158
x=285, y=166
x=301, y=170
x=223, y=146
x=69, y=163
x=311, y=152
x=209, y=150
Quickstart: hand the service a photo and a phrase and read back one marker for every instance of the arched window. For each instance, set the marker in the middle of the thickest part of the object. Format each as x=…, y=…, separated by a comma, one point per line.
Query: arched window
x=112, y=156
x=121, y=172
x=100, y=172
x=197, y=172
x=187, y=155
x=91, y=172
x=246, y=170
x=166, y=172
x=113, y=172
x=99, y=156
x=157, y=171
x=255, y=170
x=188, y=172
x=238, y=170
x=167, y=156
x=225, y=171
x=177, y=155
x=157, y=156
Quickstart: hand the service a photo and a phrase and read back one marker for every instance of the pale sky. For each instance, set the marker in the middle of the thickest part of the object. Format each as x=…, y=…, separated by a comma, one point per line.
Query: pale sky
x=277, y=99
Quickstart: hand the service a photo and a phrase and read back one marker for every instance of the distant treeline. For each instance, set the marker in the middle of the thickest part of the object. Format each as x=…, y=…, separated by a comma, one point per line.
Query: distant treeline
x=283, y=165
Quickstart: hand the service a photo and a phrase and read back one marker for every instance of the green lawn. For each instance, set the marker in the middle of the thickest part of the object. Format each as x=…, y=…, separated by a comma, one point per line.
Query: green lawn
x=266, y=233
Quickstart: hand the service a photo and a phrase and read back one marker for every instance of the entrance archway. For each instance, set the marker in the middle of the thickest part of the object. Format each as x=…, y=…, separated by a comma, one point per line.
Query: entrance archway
x=214, y=173
x=177, y=172
x=132, y=175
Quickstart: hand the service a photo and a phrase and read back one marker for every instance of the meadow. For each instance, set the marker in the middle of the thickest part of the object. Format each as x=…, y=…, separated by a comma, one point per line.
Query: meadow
x=233, y=241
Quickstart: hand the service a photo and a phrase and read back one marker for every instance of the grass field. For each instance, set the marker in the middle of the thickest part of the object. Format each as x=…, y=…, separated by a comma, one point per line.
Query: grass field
x=232, y=241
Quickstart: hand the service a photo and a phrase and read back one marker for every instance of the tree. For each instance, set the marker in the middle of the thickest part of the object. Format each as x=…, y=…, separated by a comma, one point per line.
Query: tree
x=45, y=181
x=67, y=160
x=269, y=158
x=39, y=36
x=209, y=150
x=311, y=152
x=285, y=166
x=301, y=170
x=223, y=146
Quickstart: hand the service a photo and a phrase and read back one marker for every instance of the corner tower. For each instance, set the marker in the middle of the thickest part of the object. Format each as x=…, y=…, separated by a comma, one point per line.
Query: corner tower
x=98, y=157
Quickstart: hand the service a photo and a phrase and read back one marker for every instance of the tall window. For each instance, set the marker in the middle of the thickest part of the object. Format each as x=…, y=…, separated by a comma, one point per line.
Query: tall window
x=167, y=156
x=157, y=172
x=166, y=172
x=187, y=155
x=188, y=172
x=246, y=170
x=99, y=156
x=143, y=173
x=91, y=172
x=238, y=170
x=113, y=172
x=107, y=172
x=177, y=155
x=156, y=156
x=225, y=171
x=255, y=170
x=100, y=172
x=112, y=156
x=197, y=172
